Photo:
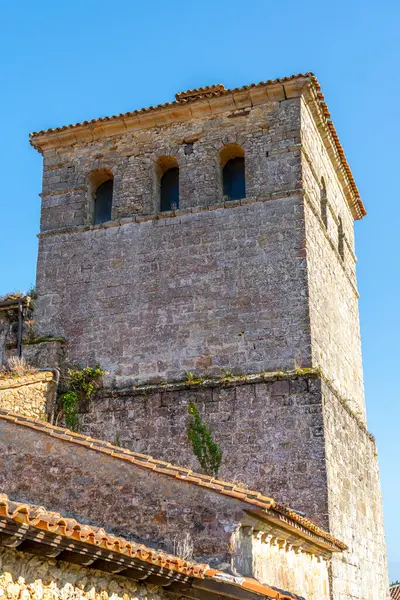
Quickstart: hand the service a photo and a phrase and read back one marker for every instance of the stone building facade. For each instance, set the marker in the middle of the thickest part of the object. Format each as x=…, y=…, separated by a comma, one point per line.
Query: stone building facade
x=256, y=296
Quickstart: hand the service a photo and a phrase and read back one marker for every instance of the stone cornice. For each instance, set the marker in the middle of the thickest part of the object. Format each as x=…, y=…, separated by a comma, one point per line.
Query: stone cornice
x=140, y=218
x=195, y=106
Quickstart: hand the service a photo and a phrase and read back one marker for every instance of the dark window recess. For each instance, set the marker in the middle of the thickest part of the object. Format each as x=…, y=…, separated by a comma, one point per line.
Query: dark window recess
x=234, y=180
x=170, y=190
x=103, y=202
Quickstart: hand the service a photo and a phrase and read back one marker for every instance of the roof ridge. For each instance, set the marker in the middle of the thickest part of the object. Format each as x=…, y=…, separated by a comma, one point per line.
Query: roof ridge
x=225, y=488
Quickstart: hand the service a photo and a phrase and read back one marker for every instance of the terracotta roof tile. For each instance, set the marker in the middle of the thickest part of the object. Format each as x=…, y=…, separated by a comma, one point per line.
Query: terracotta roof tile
x=219, y=90
x=395, y=591
x=232, y=490
x=40, y=518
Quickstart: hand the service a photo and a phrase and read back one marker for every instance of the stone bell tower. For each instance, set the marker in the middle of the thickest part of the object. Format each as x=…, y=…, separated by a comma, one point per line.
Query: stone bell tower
x=204, y=249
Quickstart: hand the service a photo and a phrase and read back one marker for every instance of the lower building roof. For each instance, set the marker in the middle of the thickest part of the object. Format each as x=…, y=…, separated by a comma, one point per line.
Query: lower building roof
x=36, y=530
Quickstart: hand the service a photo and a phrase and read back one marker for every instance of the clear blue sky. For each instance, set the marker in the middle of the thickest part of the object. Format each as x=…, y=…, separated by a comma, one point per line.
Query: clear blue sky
x=67, y=61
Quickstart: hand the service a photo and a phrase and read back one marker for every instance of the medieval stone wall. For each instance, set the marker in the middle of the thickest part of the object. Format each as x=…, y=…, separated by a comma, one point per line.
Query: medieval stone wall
x=269, y=135
x=294, y=439
x=31, y=395
x=129, y=501
x=332, y=287
x=355, y=504
x=152, y=297
x=28, y=577
x=222, y=289
x=271, y=433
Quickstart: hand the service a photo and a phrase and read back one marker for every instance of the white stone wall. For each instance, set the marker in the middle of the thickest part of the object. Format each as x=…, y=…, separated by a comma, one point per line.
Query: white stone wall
x=355, y=505
x=277, y=563
x=332, y=287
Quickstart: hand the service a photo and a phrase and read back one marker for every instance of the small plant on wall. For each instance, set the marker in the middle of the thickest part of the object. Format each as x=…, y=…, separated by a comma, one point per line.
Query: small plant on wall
x=80, y=385
x=207, y=451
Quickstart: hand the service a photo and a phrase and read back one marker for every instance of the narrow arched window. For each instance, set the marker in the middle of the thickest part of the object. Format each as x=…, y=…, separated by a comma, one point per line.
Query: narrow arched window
x=324, y=203
x=234, y=181
x=100, y=196
x=167, y=171
x=169, y=190
x=340, y=238
x=103, y=202
x=233, y=172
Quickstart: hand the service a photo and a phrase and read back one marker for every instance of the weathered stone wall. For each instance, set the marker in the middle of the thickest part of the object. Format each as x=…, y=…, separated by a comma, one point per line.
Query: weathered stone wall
x=268, y=133
x=271, y=433
x=332, y=286
x=31, y=395
x=355, y=505
x=222, y=289
x=129, y=501
x=294, y=439
x=151, y=297
x=28, y=577
x=281, y=564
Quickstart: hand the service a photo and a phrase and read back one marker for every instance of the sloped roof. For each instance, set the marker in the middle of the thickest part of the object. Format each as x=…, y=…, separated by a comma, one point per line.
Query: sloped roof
x=40, y=518
x=395, y=591
x=216, y=91
x=253, y=498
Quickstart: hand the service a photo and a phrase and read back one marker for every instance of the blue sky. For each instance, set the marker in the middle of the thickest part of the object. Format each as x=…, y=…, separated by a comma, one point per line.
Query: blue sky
x=64, y=62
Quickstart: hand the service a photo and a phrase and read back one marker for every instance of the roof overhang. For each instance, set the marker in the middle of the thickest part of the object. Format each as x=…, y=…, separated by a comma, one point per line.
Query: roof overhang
x=52, y=537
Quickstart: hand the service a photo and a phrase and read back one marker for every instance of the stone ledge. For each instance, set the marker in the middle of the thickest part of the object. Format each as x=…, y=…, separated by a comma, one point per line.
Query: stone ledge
x=210, y=382
x=176, y=213
x=279, y=378
x=14, y=381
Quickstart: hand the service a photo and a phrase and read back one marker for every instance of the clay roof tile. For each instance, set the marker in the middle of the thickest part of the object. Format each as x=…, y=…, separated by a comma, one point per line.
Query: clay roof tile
x=38, y=517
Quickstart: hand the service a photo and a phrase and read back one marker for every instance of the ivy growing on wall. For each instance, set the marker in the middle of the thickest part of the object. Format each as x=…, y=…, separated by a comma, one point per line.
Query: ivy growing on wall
x=206, y=450
x=80, y=385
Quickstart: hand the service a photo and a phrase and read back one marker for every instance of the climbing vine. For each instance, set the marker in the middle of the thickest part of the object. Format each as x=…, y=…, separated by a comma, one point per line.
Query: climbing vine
x=207, y=451
x=79, y=385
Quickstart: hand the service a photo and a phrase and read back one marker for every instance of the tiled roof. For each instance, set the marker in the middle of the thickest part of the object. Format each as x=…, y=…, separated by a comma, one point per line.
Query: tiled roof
x=204, y=92
x=189, y=96
x=395, y=591
x=38, y=516
x=52, y=522
x=209, y=92
x=232, y=490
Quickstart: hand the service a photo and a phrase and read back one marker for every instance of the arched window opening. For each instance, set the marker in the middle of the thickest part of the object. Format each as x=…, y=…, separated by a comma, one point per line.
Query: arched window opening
x=340, y=238
x=101, y=183
x=103, y=202
x=324, y=203
x=233, y=172
x=168, y=173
